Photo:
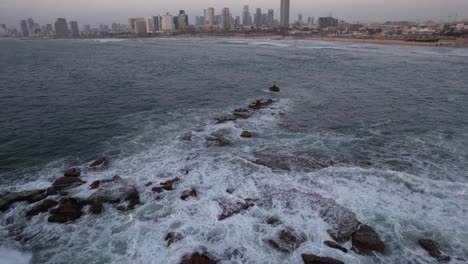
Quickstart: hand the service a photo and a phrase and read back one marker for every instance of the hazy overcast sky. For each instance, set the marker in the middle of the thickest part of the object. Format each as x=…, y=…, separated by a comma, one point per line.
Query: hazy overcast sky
x=106, y=11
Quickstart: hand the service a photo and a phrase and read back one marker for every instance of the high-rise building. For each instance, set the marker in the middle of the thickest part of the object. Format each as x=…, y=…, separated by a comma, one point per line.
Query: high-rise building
x=329, y=21
x=75, y=32
x=24, y=28
x=167, y=23
x=50, y=30
x=156, y=23
x=182, y=21
x=149, y=24
x=210, y=17
x=226, y=19
x=271, y=18
x=140, y=26
x=259, y=20
x=284, y=19
x=299, y=18
x=61, y=28
x=246, y=17
x=131, y=24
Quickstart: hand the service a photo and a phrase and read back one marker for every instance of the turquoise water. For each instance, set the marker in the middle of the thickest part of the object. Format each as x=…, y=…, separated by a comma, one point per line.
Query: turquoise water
x=394, y=118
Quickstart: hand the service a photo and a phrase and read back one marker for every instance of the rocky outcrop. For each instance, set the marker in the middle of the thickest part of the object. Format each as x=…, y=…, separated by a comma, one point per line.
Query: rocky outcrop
x=72, y=172
x=334, y=245
x=244, y=113
x=99, y=163
x=68, y=210
x=260, y=104
x=246, y=134
x=64, y=183
x=273, y=221
x=343, y=222
x=365, y=240
x=186, y=137
x=165, y=186
x=197, y=258
x=274, y=163
x=313, y=259
x=114, y=192
x=189, y=193
x=274, y=89
x=433, y=248
x=230, y=209
x=285, y=162
x=8, y=198
x=218, y=139
x=287, y=241
x=173, y=237
x=42, y=207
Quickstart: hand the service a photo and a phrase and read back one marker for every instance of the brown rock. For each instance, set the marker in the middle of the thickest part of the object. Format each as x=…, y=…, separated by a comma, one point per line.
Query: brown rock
x=365, y=240
x=149, y=184
x=237, y=208
x=274, y=88
x=168, y=184
x=72, y=172
x=68, y=210
x=64, y=183
x=246, y=134
x=41, y=208
x=186, y=137
x=334, y=245
x=276, y=246
x=433, y=248
x=96, y=207
x=94, y=185
x=157, y=189
x=313, y=259
x=99, y=163
x=173, y=237
x=188, y=194
x=197, y=258
x=225, y=119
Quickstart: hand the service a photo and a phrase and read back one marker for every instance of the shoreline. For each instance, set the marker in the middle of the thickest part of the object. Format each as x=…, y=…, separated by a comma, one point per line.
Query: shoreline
x=455, y=43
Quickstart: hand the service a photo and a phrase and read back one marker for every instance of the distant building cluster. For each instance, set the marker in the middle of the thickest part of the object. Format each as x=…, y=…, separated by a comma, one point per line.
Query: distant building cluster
x=223, y=21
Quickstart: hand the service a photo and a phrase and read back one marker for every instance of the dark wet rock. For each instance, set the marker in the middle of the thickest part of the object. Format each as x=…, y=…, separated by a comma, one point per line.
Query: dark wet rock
x=64, y=183
x=343, y=222
x=189, y=193
x=148, y=184
x=274, y=88
x=230, y=190
x=433, y=248
x=282, y=114
x=334, y=245
x=186, y=137
x=273, y=163
x=259, y=104
x=42, y=207
x=114, y=192
x=277, y=246
x=96, y=207
x=313, y=259
x=173, y=237
x=227, y=118
x=218, y=139
x=287, y=161
x=242, y=113
x=168, y=184
x=94, y=185
x=365, y=240
x=72, y=172
x=157, y=189
x=274, y=221
x=197, y=258
x=68, y=210
x=8, y=198
x=246, y=134
x=287, y=241
x=99, y=163
x=232, y=209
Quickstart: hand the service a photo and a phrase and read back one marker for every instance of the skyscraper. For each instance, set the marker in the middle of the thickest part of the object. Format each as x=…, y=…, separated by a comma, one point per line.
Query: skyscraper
x=167, y=24
x=61, y=28
x=156, y=23
x=211, y=16
x=183, y=21
x=246, y=17
x=271, y=18
x=284, y=20
x=131, y=24
x=140, y=26
x=226, y=19
x=149, y=25
x=259, y=20
x=75, y=32
x=24, y=28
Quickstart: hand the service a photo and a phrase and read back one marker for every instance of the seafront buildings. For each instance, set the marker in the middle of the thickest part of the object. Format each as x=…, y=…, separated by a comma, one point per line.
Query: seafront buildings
x=208, y=21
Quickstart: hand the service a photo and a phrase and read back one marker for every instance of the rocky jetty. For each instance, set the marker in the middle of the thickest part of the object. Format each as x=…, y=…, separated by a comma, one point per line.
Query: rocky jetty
x=433, y=248
x=244, y=113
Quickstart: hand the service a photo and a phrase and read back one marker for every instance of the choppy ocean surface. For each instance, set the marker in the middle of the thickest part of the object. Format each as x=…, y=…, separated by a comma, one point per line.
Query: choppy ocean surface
x=393, y=118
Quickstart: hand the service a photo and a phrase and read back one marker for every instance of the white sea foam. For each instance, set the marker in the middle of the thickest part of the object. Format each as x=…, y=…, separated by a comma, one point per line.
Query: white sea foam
x=11, y=256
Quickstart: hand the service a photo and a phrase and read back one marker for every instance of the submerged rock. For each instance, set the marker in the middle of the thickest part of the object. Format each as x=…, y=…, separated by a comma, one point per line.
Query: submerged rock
x=313, y=259
x=259, y=104
x=42, y=207
x=274, y=88
x=365, y=240
x=287, y=161
x=8, y=198
x=72, y=172
x=173, y=237
x=197, y=258
x=168, y=184
x=64, y=183
x=189, y=193
x=343, y=222
x=232, y=209
x=114, y=191
x=287, y=241
x=68, y=210
x=433, y=248
x=246, y=134
x=274, y=221
x=186, y=137
x=218, y=139
x=94, y=185
x=334, y=245
x=99, y=163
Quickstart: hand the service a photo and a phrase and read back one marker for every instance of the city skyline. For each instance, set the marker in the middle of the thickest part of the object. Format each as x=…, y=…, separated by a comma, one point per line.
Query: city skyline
x=99, y=12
